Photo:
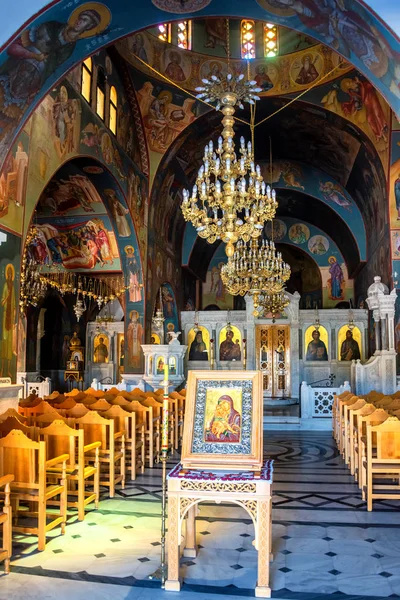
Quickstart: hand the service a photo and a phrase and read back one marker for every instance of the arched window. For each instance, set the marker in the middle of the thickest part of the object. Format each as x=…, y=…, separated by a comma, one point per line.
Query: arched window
x=184, y=35
x=164, y=32
x=270, y=40
x=86, y=78
x=112, y=116
x=247, y=39
x=100, y=92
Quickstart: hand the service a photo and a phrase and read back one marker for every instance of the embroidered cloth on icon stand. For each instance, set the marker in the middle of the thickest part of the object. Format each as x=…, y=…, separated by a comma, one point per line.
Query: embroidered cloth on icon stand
x=265, y=474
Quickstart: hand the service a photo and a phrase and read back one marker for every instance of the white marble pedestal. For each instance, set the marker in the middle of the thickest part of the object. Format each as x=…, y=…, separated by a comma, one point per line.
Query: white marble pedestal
x=9, y=396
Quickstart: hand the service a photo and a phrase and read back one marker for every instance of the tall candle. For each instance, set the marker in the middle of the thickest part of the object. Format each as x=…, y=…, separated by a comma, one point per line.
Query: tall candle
x=164, y=428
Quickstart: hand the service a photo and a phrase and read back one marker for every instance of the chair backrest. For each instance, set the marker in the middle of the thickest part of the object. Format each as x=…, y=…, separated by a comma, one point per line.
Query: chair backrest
x=96, y=429
x=357, y=405
x=61, y=439
x=76, y=395
x=78, y=411
x=387, y=439
x=151, y=395
x=375, y=418
x=67, y=404
x=373, y=395
x=119, y=401
x=24, y=458
x=157, y=406
x=384, y=401
x=92, y=392
x=144, y=414
x=114, y=390
x=11, y=412
x=12, y=423
x=396, y=394
x=100, y=405
x=394, y=405
x=39, y=409
x=120, y=416
x=31, y=400
x=89, y=399
x=59, y=400
x=47, y=418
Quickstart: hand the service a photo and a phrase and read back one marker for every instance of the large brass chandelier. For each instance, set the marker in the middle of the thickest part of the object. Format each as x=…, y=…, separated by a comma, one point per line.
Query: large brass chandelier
x=257, y=269
x=230, y=200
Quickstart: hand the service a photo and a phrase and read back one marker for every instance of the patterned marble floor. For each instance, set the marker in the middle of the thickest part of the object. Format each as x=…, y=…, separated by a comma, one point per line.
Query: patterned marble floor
x=326, y=545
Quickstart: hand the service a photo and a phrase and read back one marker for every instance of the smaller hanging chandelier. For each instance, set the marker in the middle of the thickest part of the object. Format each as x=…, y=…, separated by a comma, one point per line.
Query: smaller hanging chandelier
x=255, y=269
x=158, y=318
x=316, y=323
x=351, y=323
x=270, y=304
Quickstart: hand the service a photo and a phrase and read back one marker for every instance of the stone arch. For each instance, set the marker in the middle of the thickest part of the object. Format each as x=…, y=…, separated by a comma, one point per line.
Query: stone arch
x=359, y=26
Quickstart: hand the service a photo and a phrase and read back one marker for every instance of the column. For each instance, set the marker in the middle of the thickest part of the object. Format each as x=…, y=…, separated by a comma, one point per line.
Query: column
x=376, y=317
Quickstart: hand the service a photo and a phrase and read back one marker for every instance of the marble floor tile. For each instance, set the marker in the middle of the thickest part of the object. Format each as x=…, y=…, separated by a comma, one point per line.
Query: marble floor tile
x=324, y=540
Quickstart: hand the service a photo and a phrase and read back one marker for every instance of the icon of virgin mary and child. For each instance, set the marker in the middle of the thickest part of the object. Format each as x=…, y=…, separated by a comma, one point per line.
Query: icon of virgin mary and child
x=225, y=424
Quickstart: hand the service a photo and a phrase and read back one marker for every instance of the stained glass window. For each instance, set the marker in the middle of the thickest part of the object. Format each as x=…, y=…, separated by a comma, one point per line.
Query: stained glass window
x=86, y=81
x=184, y=34
x=112, y=117
x=270, y=40
x=248, y=39
x=164, y=32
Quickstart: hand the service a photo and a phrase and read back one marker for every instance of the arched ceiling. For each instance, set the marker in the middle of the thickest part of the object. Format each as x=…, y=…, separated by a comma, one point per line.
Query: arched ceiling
x=326, y=142
x=348, y=27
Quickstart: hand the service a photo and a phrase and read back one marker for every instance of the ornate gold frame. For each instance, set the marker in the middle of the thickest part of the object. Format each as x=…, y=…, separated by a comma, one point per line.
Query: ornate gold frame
x=197, y=453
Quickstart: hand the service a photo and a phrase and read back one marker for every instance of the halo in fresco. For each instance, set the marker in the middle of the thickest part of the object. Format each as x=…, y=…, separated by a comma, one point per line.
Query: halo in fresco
x=181, y=6
x=275, y=9
x=318, y=244
x=101, y=9
x=279, y=230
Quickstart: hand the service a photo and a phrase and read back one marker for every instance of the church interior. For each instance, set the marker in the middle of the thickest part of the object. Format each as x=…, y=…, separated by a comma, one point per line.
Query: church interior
x=199, y=316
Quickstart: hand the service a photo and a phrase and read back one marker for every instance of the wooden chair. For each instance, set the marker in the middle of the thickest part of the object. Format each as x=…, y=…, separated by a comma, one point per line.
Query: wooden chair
x=26, y=459
x=340, y=415
x=11, y=412
x=61, y=439
x=135, y=441
x=364, y=411
x=6, y=522
x=335, y=404
x=152, y=424
x=31, y=413
x=378, y=416
x=347, y=431
x=157, y=420
x=383, y=460
x=98, y=429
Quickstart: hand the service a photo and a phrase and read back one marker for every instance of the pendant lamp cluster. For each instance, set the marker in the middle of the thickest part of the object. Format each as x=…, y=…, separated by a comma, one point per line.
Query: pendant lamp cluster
x=230, y=201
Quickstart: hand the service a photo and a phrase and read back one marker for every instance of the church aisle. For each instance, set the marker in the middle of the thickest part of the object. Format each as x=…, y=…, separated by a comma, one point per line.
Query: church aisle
x=325, y=543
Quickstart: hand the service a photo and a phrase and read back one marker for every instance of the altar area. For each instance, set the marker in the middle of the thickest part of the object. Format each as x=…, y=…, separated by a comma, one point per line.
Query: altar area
x=280, y=350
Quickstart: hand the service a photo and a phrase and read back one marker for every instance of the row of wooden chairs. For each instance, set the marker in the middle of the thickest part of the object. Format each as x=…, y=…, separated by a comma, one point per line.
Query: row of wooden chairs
x=61, y=452
x=367, y=432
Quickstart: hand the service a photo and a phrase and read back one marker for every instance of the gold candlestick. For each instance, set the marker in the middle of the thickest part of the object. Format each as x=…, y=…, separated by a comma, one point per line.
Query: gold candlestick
x=244, y=354
x=212, y=355
x=164, y=457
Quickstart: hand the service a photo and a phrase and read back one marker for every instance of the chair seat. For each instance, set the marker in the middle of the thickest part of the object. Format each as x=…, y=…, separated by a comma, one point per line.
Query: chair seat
x=27, y=494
